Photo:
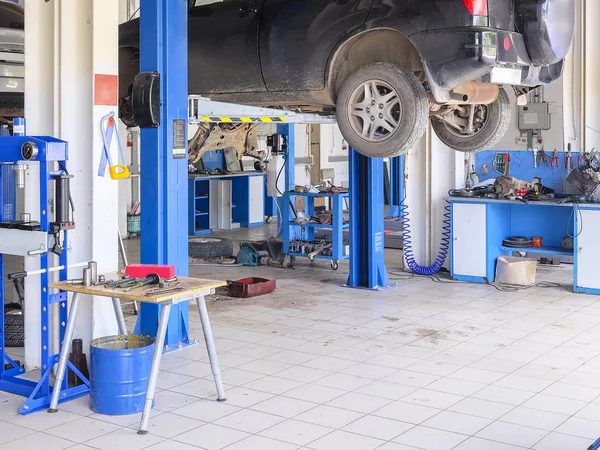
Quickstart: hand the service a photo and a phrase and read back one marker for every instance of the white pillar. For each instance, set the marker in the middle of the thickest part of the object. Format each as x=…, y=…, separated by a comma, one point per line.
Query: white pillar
x=39, y=111
x=63, y=100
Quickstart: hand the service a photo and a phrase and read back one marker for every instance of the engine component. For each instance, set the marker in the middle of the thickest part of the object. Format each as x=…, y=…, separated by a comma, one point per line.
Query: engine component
x=221, y=136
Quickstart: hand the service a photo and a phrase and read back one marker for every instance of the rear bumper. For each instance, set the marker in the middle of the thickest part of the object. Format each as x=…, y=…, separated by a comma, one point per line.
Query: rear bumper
x=456, y=56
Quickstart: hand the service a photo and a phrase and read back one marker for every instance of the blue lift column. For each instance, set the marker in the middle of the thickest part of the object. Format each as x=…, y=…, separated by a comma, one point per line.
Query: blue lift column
x=289, y=131
x=164, y=176
x=396, y=186
x=367, y=265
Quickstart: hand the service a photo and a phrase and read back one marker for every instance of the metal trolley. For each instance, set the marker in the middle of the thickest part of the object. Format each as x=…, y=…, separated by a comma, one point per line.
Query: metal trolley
x=299, y=238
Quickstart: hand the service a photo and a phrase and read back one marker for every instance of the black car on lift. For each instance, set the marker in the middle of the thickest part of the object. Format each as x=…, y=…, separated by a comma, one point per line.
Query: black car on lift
x=384, y=66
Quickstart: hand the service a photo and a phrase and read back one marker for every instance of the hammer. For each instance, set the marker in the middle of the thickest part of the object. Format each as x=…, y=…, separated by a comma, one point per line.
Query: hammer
x=153, y=278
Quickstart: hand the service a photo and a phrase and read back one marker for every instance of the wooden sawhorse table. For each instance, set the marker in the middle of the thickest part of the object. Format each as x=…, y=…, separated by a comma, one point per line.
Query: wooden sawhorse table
x=192, y=288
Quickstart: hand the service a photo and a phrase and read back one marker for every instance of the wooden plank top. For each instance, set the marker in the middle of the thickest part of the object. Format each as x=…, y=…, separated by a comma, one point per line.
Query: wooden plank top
x=191, y=288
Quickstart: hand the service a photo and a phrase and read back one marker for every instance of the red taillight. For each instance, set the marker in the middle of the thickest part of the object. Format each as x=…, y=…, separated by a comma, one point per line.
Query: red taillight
x=477, y=7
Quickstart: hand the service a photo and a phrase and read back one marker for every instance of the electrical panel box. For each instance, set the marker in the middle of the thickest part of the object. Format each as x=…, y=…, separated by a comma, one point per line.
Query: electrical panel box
x=534, y=116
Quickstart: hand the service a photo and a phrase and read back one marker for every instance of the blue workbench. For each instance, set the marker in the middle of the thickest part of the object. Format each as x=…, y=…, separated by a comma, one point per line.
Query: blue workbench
x=479, y=226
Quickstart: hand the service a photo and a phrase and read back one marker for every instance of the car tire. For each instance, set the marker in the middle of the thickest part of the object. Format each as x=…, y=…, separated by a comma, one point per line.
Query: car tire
x=210, y=248
x=397, y=123
x=14, y=330
x=494, y=128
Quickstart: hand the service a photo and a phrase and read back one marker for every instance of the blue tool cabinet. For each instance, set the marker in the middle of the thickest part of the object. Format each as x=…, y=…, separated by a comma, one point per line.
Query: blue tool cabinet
x=480, y=225
x=247, y=201
x=292, y=230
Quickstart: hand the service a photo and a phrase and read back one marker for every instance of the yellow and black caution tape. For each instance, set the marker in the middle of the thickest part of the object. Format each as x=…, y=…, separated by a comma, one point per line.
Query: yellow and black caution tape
x=243, y=119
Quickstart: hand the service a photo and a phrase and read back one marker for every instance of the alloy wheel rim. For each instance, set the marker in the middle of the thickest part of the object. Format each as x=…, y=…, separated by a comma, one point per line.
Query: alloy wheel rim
x=374, y=110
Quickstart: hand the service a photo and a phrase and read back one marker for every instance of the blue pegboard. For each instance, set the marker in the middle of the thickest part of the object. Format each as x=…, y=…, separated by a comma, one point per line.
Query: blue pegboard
x=521, y=167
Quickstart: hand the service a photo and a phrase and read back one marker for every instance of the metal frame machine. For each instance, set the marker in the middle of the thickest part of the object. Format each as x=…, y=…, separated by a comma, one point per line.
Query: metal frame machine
x=40, y=237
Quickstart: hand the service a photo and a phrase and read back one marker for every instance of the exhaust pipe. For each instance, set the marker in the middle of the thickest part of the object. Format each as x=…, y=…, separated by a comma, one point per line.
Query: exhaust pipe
x=475, y=93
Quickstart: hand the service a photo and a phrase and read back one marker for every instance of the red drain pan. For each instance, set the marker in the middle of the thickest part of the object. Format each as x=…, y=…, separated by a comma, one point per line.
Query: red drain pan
x=250, y=287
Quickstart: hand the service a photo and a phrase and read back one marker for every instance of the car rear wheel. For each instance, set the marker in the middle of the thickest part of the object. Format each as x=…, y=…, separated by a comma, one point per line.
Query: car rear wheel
x=470, y=128
x=382, y=110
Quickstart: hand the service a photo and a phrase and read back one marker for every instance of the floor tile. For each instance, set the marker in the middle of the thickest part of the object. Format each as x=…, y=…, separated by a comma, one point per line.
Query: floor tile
x=329, y=416
x=475, y=443
x=163, y=445
x=534, y=418
x=206, y=410
x=122, y=438
x=315, y=393
x=385, y=389
x=457, y=423
x=406, y=412
x=264, y=367
x=42, y=421
x=454, y=386
x=572, y=391
x=284, y=406
x=211, y=437
x=273, y=385
x=296, y=432
x=433, y=399
x=481, y=408
x=554, y=404
x=328, y=363
x=10, y=432
x=261, y=443
x=512, y=434
x=169, y=400
x=249, y=421
x=244, y=397
x=170, y=425
x=343, y=381
x=580, y=427
x=378, y=427
x=503, y=395
x=558, y=441
x=346, y=441
x=410, y=378
x=430, y=438
x=358, y=402
x=477, y=375
x=303, y=374
x=82, y=429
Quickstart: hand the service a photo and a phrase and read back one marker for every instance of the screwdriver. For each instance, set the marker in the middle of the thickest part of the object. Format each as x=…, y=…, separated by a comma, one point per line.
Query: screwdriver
x=153, y=278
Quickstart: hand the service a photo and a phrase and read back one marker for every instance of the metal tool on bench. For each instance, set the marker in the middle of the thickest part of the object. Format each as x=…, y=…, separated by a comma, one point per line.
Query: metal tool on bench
x=163, y=291
x=120, y=283
x=17, y=275
x=153, y=278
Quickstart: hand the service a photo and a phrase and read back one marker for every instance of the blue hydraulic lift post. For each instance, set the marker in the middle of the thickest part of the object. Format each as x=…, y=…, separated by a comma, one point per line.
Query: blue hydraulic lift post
x=396, y=186
x=289, y=131
x=367, y=265
x=164, y=179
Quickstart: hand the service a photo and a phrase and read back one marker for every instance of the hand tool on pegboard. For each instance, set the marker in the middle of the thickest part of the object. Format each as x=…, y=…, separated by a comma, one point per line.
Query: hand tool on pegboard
x=116, y=171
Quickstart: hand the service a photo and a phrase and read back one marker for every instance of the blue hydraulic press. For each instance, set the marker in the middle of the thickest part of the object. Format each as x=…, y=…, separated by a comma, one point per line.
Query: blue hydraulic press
x=36, y=238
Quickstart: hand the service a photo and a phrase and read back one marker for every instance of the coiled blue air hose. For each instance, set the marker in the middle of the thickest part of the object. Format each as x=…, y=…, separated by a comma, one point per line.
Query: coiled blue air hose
x=407, y=243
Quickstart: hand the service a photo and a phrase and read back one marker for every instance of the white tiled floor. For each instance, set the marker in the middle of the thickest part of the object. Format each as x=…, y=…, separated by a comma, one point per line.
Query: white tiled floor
x=424, y=365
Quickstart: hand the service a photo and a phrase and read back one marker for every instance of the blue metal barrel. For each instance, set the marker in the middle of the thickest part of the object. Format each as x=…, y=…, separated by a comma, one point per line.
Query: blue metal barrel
x=119, y=370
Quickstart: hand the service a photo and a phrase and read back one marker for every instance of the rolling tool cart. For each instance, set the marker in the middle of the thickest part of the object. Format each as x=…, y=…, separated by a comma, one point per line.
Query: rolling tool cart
x=299, y=237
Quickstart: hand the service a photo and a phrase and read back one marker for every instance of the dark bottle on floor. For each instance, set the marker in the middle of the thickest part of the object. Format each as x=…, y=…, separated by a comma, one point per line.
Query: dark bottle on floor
x=79, y=360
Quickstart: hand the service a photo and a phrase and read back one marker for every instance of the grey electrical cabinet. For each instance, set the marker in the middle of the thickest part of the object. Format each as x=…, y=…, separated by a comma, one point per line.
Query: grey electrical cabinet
x=534, y=116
